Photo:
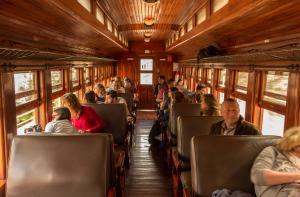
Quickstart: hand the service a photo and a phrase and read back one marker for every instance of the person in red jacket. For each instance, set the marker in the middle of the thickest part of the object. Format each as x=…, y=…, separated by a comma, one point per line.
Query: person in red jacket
x=84, y=118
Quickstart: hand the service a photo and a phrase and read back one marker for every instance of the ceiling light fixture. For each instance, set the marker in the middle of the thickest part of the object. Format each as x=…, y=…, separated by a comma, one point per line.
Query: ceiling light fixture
x=151, y=1
x=149, y=21
x=147, y=34
x=147, y=39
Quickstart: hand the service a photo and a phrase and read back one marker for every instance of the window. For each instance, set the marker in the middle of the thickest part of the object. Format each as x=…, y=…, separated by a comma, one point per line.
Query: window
x=25, y=87
x=242, y=82
x=146, y=69
x=201, y=16
x=222, y=78
x=218, y=4
x=109, y=25
x=26, y=100
x=96, y=74
x=116, y=32
x=276, y=87
x=146, y=64
x=24, y=121
x=190, y=25
x=75, y=77
x=57, y=81
x=209, y=73
x=242, y=105
x=181, y=31
x=99, y=15
x=56, y=103
x=86, y=4
x=87, y=75
x=273, y=123
x=221, y=97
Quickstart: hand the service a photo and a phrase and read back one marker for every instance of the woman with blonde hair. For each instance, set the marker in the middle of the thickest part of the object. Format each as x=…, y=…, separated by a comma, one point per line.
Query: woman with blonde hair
x=84, y=118
x=276, y=170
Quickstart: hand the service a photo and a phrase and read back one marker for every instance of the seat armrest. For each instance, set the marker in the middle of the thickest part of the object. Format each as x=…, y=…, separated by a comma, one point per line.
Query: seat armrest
x=176, y=160
x=2, y=187
x=111, y=192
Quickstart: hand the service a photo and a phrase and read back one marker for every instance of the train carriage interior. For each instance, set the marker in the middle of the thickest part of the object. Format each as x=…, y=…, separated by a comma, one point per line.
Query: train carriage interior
x=124, y=98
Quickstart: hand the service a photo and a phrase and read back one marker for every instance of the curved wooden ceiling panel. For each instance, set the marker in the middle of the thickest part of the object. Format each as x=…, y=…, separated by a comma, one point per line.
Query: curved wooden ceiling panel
x=129, y=15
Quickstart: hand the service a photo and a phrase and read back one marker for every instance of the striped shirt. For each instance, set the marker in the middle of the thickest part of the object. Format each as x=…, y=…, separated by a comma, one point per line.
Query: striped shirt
x=60, y=126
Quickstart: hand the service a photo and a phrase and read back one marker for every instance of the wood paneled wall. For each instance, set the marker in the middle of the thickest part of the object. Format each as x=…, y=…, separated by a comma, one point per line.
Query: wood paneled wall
x=129, y=63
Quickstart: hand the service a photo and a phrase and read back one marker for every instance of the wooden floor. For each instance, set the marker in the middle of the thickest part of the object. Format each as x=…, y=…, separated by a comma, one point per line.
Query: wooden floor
x=148, y=175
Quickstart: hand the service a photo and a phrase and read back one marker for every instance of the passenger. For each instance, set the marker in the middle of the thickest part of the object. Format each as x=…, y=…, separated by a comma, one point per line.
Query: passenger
x=209, y=105
x=200, y=90
x=161, y=82
x=61, y=122
x=276, y=170
x=180, y=85
x=112, y=98
x=99, y=89
x=90, y=97
x=84, y=118
x=233, y=123
x=116, y=86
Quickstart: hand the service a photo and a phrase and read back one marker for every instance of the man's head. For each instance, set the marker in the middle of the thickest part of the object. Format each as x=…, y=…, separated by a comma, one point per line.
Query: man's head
x=171, y=83
x=200, y=89
x=99, y=89
x=111, y=97
x=230, y=110
x=161, y=79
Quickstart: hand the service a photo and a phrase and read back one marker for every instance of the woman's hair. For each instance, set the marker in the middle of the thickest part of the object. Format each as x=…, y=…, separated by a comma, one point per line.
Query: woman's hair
x=290, y=140
x=63, y=113
x=73, y=101
x=101, y=88
x=212, y=105
x=90, y=97
x=178, y=97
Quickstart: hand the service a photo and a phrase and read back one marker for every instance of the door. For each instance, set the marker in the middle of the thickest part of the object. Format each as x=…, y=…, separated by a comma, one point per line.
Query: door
x=146, y=67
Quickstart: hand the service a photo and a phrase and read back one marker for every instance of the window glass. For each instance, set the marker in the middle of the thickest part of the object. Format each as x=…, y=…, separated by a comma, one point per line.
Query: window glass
x=181, y=31
x=208, y=90
x=56, y=80
x=146, y=64
x=190, y=25
x=87, y=75
x=99, y=15
x=56, y=103
x=273, y=123
x=109, y=26
x=201, y=15
x=86, y=4
x=242, y=82
x=199, y=73
x=221, y=97
x=116, y=32
x=24, y=121
x=276, y=87
x=146, y=78
x=242, y=105
x=96, y=74
x=209, y=73
x=218, y=4
x=222, y=78
x=24, y=87
x=75, y=77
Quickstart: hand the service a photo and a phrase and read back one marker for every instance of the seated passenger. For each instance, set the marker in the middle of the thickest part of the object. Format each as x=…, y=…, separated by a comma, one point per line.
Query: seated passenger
x=200, y=90
x=233, y=123
x=100, y=92
x=276, y=170
x=209, y=105
x=84, y=118
x=61, y=122
x=116, y=86
x=90, y=97
x=112, y=98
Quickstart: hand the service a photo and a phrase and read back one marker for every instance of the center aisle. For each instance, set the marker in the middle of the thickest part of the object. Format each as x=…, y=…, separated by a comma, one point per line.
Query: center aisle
x=148, y=173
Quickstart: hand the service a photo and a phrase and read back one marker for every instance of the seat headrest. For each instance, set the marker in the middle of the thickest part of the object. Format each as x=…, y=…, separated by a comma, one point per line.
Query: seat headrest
x=189, y=126
x=219, y=162
x=60, y=165
x=114, y=116
x=182, y=109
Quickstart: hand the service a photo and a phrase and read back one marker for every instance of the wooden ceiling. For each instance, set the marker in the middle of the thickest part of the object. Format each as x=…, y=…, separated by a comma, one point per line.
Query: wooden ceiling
x=57, y=26
x=129, y=15
x=241, y=25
